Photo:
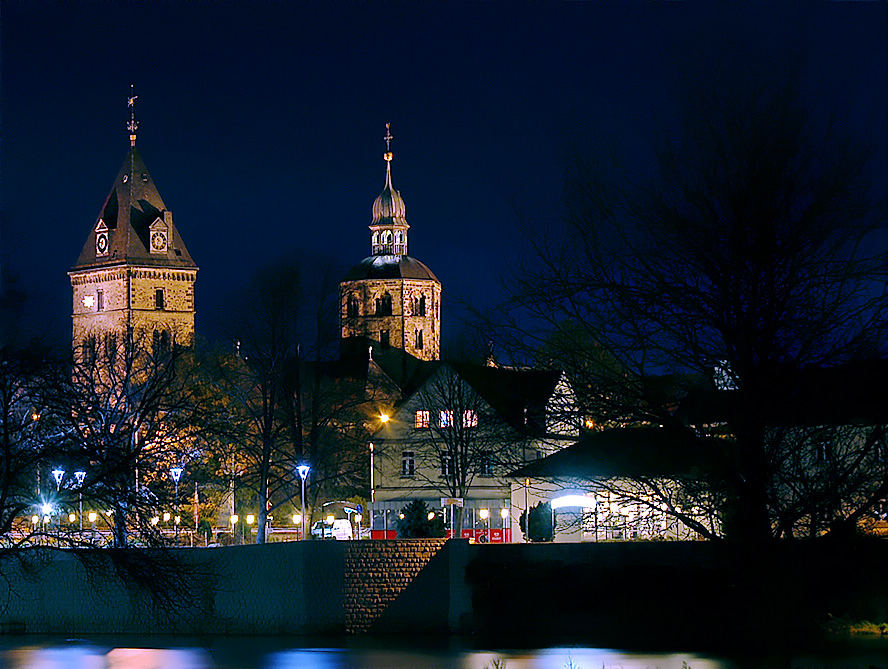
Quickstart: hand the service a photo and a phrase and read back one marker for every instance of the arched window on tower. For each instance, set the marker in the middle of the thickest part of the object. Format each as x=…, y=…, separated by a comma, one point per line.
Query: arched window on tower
x=384, y=305
x=351, y=307
x=419, y=340
x=422, y=306
x=385, y=240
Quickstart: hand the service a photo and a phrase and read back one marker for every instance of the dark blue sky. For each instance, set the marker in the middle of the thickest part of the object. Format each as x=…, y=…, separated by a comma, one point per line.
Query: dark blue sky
x=262, y=123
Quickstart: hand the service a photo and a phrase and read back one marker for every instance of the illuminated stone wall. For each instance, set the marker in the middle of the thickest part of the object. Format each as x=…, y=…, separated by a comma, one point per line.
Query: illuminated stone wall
x=377, y=572
x=403, y=322
x=128, y=297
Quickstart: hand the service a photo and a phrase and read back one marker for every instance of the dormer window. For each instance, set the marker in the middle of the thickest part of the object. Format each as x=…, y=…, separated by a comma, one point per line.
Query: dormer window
x=157, y=235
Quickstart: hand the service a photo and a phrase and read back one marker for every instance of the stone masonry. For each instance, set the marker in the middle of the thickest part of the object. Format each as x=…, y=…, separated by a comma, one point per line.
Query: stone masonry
x=376, y=572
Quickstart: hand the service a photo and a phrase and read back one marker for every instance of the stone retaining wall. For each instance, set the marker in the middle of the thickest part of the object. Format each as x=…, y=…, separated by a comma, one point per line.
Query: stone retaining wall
x=377, y=572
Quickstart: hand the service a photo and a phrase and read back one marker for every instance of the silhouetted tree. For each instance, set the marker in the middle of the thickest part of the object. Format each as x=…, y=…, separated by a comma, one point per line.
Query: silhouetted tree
x=753, y=254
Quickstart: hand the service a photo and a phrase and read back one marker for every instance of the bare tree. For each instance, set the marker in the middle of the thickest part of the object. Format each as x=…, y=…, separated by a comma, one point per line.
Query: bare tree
x=461, y=437
x=124, y=411
x=288, y=403
x=754, y=252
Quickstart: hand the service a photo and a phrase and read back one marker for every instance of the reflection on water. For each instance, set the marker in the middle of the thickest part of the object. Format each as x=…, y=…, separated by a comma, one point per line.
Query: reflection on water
x=259, y=653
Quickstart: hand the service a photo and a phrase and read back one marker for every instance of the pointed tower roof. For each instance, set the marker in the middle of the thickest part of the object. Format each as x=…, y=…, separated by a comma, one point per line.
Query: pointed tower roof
x=131, y=210
x=389, y=207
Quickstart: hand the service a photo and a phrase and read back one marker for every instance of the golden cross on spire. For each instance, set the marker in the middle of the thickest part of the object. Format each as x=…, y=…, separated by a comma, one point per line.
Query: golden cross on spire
x=388, y=143
x=132, y=125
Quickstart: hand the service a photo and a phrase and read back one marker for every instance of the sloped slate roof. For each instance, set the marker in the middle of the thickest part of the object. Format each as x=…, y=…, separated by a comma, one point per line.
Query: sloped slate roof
x=633, y=452
x=519, y=396
x=389, y=267
x=128, y=212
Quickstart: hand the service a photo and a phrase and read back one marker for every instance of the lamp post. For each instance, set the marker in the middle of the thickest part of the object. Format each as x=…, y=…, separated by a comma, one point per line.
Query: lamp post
x=80, y=476
x=484, y=514
x=176, y=473
x=58, y=474
x=303, y=472
x=504, y=513
x=233, y=519
x=372, y=488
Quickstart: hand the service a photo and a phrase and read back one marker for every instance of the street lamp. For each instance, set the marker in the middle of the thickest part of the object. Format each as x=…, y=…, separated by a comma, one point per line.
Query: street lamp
x=233, y=519
x=80, y=476
x=484, y=514
x=176, y=473
x=504, y=514
x=303, y=472
x=58, y=475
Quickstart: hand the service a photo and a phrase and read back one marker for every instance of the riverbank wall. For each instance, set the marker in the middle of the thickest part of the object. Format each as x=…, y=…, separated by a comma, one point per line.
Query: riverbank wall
x=612, y=594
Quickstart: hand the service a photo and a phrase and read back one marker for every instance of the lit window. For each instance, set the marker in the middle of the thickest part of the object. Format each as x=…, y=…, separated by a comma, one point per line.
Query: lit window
x=470, y=418
x=408, y=463
x=445, y=418
x=421, y=420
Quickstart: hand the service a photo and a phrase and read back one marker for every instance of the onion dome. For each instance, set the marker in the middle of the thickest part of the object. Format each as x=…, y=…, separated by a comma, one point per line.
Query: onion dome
x=389, y=205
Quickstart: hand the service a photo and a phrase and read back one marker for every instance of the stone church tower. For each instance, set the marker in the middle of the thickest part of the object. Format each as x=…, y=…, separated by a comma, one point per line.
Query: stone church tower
x=390, y=297
x=134, y=275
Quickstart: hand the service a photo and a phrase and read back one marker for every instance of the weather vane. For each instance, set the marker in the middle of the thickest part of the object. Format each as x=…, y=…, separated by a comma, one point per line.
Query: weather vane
x=132, y=125
x=388, y=143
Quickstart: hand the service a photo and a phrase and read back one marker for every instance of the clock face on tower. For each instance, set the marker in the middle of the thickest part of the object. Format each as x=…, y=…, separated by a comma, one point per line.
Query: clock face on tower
x=101, y=243
x=158, y=242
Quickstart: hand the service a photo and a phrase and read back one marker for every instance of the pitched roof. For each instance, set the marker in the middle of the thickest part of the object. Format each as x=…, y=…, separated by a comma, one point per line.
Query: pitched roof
x=129, y=211
x=519, y=396
x=632, y=452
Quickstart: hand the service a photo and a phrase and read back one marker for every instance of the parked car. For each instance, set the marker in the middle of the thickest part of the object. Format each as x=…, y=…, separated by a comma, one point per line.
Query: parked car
x=340, y=530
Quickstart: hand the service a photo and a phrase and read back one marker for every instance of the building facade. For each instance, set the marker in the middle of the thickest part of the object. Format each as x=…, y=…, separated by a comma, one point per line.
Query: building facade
x=458, y=436
x=390, y=298
x=134, y=275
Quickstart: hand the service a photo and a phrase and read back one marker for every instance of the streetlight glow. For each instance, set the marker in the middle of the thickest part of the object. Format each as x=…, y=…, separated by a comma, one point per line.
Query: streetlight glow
x=46, y=509
x=72, y=517
x=297, y=518
x=234, y=519
x=303, y=470
x=484, y=514
x=58, y=474
x=35, y=519
x=250, y=519
x=92, y=516
x=384, y=418
x=504, y=513
x=166, y=516
x=329, y=520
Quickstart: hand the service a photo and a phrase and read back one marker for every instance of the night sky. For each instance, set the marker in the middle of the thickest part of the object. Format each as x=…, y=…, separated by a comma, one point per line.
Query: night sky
x=262, y=123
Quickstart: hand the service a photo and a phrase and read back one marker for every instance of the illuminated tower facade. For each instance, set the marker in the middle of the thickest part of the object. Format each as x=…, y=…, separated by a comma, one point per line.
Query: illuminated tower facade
x=389, y=297
x=134, y=275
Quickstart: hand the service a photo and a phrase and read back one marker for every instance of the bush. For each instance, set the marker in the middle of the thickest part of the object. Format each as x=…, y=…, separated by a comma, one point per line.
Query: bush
x=540, y=522
x=416, y=524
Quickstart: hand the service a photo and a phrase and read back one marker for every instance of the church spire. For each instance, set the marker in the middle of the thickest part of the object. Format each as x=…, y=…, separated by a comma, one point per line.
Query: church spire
x=389, y=223
x=132, y=125
x=387, y=156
